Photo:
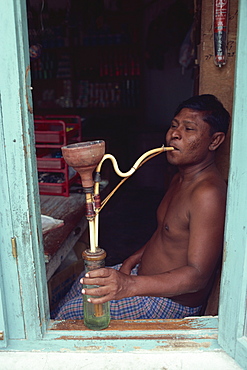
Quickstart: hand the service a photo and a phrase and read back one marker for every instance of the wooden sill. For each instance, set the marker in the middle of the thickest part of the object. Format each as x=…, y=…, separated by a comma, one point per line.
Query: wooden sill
x=191, y=323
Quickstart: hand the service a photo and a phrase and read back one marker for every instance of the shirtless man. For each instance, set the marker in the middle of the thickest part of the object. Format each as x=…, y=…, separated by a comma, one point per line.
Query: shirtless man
x=178, y=263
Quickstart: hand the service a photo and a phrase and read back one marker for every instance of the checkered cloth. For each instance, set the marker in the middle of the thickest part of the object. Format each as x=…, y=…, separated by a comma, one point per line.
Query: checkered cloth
x=131, y=308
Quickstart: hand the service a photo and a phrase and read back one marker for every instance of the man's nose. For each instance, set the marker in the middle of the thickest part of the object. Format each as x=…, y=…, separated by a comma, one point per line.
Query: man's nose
x=176, y=133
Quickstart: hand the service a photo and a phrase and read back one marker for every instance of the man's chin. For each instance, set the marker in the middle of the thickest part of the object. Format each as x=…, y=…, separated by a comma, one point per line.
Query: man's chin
x=172, y=160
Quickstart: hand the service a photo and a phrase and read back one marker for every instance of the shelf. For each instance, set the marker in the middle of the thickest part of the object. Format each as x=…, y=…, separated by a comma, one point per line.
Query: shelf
x=90, y=67
x=51, y=133
x=89, y=112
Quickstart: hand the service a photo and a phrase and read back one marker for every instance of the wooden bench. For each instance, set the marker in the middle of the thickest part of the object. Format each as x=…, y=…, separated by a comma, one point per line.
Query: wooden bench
x=59, y=242
x=212, y=304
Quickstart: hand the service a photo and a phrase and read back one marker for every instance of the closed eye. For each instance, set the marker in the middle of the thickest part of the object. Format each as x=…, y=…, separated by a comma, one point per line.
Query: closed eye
x=189, y=129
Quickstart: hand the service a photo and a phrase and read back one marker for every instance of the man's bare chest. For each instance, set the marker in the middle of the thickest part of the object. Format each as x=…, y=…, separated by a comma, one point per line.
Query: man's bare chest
x=173, y=214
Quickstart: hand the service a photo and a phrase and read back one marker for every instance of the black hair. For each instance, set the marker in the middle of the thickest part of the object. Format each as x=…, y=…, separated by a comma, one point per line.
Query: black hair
x=214, y=112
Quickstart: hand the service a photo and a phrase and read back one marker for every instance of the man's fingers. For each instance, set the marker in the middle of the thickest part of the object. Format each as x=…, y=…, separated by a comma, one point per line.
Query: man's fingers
x=94, y=281
x=104, y=272
x=96, y=295
x=98, y=300
x=94, y=291
x=96, y=277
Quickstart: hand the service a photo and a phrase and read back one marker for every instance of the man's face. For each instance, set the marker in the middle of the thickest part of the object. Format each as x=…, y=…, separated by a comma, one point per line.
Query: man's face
x=190, y=136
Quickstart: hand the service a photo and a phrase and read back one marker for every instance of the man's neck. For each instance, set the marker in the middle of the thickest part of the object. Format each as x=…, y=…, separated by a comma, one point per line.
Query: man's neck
x=190, y=173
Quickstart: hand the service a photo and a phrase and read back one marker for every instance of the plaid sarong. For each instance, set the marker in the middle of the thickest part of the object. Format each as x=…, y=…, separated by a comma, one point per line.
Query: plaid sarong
x=131, y=308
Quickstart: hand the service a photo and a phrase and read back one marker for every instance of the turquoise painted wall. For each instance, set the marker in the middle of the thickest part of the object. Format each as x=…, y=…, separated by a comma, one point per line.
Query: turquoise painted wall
x=23, y=291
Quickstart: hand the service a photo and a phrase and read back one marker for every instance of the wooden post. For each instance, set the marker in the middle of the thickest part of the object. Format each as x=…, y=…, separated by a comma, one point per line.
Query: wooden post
x=215, y=80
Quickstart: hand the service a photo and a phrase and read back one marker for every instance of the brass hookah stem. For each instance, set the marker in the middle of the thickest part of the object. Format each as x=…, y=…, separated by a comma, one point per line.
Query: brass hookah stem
x=90, y=215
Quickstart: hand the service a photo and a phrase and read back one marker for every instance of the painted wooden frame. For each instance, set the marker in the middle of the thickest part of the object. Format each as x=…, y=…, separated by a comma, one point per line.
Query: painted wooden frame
x=233, y=307
x=24, y=313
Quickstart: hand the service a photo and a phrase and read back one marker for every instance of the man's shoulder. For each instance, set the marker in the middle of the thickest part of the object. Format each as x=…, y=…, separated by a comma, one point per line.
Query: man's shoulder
x=211, y=188
x=211, y=181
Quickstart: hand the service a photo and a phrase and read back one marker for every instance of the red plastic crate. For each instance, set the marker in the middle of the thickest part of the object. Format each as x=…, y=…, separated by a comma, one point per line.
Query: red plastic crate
x=71, y=121
x=47, y=188
x=50, y=164
x=53, y=189
x=50, y=135
x=50, y=132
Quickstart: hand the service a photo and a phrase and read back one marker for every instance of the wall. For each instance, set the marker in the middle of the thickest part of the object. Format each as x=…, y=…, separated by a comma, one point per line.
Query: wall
x=215, y=80
x=169, y=360
x=165, y=83
x=164, y=88
x=55, y=4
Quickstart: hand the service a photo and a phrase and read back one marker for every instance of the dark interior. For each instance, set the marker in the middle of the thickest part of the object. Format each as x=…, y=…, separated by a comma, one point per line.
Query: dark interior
x=123, y=67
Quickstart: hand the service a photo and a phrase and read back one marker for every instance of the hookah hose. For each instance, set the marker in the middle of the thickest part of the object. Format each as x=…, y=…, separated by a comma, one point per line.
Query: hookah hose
x=143, y=159
x=93, y=202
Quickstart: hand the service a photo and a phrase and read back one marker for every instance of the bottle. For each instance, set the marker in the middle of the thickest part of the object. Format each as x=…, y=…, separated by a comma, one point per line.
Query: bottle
x=221, y=15
x=96, y=316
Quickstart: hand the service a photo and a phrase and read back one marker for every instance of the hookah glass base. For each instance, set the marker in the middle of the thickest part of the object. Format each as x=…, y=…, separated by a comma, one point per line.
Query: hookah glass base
x=96, y=316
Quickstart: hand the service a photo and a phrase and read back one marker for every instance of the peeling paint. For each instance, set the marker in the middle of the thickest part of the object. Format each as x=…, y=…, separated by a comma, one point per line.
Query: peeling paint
x=123, y=325
x=182, y=345
x=136, y=337
x=193, y=333
x=224, y=252
x=89, y=348
x=96, y=348
x=30, y=109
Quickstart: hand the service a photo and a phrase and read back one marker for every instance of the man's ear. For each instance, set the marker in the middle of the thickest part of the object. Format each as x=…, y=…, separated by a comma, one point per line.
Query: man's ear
x=217, y=140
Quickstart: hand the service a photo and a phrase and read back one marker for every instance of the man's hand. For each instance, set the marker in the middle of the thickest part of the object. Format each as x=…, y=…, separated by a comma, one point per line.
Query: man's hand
x=132, y=261
x=127, y=266
x=112, y=284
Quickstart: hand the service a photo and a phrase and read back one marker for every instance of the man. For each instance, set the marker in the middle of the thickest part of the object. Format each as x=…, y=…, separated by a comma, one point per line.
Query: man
x=172, y=274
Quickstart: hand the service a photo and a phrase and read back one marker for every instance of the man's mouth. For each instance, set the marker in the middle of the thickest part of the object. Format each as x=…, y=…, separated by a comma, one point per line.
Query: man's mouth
x=175, y=148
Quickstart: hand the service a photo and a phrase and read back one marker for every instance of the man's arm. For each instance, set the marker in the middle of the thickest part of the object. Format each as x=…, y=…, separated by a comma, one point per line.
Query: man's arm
x=115, y=285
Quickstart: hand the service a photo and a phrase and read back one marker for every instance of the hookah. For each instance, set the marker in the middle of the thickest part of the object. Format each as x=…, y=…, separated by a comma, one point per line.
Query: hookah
x=87, y=158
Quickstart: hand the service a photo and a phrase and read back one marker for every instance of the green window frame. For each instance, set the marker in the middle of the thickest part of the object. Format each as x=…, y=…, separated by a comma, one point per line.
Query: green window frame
x=233, y=302
x=24, y=311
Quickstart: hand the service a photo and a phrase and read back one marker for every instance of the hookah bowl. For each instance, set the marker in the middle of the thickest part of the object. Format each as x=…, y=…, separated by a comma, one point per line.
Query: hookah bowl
x=84, y=158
